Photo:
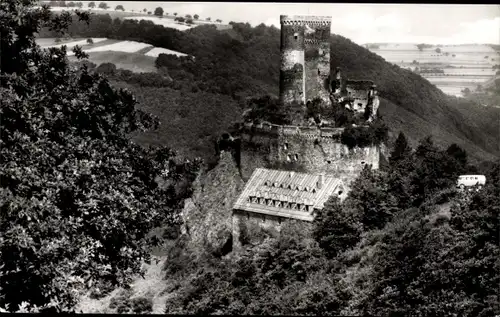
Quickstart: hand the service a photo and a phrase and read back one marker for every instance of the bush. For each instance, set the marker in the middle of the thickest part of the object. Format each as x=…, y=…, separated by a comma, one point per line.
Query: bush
x=141, y=305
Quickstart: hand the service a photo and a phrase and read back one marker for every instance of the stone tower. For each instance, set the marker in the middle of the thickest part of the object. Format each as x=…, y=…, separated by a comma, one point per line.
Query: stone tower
x=305, y=58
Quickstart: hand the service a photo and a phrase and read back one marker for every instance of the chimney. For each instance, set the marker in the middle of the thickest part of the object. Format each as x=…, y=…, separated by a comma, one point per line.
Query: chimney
x=320, y=181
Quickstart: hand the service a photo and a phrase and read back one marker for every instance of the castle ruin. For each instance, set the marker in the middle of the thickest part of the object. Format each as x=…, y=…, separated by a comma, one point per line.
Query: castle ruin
x=292, y=170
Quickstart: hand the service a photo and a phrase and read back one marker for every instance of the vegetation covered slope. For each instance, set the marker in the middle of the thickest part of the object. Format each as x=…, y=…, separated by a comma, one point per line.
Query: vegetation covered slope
x=244, y=62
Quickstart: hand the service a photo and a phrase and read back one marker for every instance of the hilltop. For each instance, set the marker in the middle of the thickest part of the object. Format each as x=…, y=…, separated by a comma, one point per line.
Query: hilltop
x=233, y=65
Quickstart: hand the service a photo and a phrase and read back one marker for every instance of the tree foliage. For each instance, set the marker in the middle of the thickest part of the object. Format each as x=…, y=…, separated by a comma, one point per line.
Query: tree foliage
x=77, y=196
x=158, y=11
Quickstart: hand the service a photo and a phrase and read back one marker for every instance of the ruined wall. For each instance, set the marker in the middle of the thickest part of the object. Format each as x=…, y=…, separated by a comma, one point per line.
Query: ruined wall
x=252, y=228
x=317, y=59
x=311, y=149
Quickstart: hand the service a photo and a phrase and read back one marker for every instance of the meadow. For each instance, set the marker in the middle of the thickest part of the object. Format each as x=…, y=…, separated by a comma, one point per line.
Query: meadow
x=131, y=55
x=459, y=66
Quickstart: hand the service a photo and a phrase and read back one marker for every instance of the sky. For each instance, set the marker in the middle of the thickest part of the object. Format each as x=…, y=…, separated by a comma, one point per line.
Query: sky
x=362, y=23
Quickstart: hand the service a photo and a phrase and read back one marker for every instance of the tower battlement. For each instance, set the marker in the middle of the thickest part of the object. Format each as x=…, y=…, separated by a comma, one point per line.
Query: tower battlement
x=305, y=19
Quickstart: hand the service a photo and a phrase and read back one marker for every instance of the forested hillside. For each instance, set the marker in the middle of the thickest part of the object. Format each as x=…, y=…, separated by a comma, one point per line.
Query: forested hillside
x=244, y=62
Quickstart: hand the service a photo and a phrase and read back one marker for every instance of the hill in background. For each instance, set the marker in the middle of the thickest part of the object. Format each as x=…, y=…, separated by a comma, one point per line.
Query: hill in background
x=232, y=65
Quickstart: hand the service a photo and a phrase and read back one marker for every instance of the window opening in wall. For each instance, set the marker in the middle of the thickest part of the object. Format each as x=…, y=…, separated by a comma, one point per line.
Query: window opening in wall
x=296, y=35
x=340, y=192
x=296, y=157
x=363, y=162
x=285, y=146
x=288, y=158
x=319, y=73
x=263, y=218
x=329, y=162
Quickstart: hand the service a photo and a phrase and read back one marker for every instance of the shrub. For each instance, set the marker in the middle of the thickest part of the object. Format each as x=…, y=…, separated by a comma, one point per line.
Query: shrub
x=141, y=305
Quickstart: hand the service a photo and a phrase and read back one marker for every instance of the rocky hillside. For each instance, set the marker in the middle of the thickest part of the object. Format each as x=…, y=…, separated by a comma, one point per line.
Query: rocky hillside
x=207, y=215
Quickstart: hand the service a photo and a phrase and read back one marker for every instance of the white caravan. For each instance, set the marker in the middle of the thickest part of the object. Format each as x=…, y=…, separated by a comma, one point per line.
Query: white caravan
x=471, y=180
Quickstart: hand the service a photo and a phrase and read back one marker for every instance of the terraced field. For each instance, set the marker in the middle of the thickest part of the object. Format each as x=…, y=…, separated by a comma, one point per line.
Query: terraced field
x=134, y=56
x=453, y=69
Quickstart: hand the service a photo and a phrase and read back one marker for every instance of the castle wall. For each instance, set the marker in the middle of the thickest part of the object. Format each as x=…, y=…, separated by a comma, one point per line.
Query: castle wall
x=311, y=149
x=252, y=228
x=317, y=61
x=292, y=64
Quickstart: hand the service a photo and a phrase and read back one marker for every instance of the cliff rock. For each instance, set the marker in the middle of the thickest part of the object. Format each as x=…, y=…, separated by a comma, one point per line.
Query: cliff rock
x=207, y=215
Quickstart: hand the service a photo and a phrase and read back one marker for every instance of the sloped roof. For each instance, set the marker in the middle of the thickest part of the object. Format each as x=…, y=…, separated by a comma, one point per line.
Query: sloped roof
x=289, y=189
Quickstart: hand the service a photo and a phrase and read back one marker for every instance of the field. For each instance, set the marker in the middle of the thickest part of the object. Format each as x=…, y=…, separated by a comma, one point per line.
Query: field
x=166, y=20
x=455, y=67
x=134, y=56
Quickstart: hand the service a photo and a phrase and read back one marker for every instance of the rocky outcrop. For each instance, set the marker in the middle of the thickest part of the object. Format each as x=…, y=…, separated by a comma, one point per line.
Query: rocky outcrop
x=207, y=215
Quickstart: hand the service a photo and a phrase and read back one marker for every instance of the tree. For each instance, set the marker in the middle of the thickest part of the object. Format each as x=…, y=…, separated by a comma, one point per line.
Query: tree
x=438, y=50
x=71, y=4
x=180, y=19
x=90, y=41
x=91, y=5
x=119, y=7
x=149, y=12
x=371, y=199
x=189, y=21
x=144, y=10
x=175, y=13
x=159, y=11
x=336, y=228
x=402, y=150
x=79, y=5
x=77, y=197
x=196, y=16
x=103, y=5
x=188, y=16
x=218, y=21
x=208, y=19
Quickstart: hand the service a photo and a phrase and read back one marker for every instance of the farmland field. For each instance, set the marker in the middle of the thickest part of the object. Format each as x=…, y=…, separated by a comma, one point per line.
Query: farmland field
x=451, y=68
x=134, y=56
x=166, y=20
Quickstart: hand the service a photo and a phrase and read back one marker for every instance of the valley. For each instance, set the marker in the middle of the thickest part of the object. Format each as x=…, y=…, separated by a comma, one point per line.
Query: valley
x=452, y=68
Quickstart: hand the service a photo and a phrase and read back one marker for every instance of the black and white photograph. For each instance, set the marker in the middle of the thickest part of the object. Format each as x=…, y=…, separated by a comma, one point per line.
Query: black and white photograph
x=249, y=158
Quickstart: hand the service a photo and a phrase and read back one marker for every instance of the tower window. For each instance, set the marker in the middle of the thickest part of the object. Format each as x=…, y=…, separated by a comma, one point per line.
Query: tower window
x=296, y=157
x=319, y=73
x=285, y=146
x=288, y=158
x=296, y=35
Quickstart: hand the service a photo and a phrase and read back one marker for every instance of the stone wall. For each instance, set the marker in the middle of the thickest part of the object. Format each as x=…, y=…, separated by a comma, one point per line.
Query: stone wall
x=252, y=228
x=312, y=149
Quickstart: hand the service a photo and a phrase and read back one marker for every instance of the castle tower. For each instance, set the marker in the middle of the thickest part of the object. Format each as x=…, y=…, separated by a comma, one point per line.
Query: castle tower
x=305, y=58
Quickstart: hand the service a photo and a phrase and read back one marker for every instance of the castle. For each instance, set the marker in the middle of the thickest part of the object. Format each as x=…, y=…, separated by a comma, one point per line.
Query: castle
x=292, y=170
